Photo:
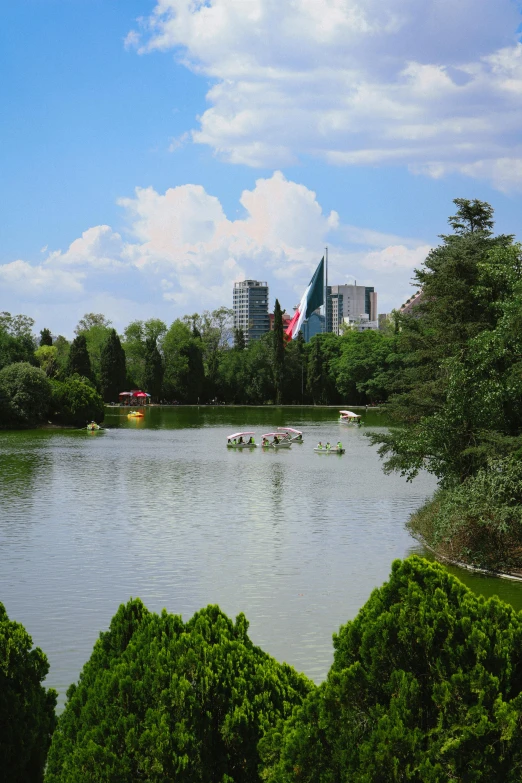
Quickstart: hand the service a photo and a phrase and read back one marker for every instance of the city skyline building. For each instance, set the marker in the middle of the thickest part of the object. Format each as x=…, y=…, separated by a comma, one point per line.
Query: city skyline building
x=349, y=302
x=250, y=306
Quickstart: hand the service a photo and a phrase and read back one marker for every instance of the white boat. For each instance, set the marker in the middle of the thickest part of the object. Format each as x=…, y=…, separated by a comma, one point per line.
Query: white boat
x=332, y=450
x=349, y=417
x=241, y=440
x=278, y=442
x=294, y=436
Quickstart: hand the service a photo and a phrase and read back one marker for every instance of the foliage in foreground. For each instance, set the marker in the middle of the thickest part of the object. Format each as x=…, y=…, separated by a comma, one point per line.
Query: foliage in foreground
x=27, y=718
x=163, y=700
x=480, y=521
x=425, y=686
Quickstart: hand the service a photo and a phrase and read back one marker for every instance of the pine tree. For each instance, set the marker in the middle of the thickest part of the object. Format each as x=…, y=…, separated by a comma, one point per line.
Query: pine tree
x=239, y=339
x=279, y=353
x=315, y=381
x=46, y=337
x=153, y=376
x=78, y=362
x=112, y=368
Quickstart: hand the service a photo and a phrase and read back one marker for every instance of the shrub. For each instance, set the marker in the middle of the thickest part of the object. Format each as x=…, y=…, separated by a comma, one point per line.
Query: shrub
x=25, y=392
x=27, y=717
x=480, y=520
x=75, y=402
x=163, y=700
x=425, y=686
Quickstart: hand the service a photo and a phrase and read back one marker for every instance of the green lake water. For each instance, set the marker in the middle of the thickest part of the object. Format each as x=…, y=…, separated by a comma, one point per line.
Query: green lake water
x=159, y=508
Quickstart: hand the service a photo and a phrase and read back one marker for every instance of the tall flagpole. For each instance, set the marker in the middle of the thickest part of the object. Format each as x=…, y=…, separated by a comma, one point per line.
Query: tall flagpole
x=326, y=289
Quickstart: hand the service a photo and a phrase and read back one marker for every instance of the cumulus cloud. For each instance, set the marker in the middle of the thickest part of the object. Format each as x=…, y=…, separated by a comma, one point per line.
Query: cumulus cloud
x=182, y=254
x=435, y=85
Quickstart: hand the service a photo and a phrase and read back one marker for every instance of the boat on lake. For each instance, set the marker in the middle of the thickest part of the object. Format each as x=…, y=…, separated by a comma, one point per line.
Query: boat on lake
x=349, y=417
x=135, y=415
x=279, y=441
x=294, y=436
x=93, y=427
x=331, y=450
x=241, y=440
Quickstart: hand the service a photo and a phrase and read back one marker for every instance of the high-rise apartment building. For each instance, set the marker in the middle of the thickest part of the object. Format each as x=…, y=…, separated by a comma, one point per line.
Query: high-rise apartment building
x=250, y=305
x=349, y=301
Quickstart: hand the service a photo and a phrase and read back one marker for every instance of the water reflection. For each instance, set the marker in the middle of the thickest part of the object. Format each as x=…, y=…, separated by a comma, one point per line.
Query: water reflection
x=161, y=509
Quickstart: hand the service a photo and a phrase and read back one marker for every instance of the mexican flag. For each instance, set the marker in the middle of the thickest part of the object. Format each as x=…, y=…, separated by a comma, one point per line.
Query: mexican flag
x=313, y=298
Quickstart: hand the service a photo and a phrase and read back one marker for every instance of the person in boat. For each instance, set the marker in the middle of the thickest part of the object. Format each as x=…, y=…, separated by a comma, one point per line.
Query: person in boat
x=265, y=441
x=276, y=440
x=328, y=447
x=251, y=440
x=299, y=438
x=339, y=445
x=240, y=439
x=234, y=442
x=319, y=445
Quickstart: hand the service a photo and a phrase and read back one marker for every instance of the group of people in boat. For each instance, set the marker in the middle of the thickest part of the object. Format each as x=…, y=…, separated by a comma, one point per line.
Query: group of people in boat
x=328, y=446
x=240, y=442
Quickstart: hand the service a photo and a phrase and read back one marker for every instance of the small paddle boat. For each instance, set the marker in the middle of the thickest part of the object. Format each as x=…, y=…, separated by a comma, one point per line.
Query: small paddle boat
x=349, y=417
x=279, y=441
x=93, y=427
x=294, y=436
x=241, y=440
x=327, y=449
x=135, y=415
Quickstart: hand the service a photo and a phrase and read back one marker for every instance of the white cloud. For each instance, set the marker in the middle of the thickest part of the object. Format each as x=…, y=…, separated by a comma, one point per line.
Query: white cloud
x=40, y=281
x=433, y=85
x=183, y=254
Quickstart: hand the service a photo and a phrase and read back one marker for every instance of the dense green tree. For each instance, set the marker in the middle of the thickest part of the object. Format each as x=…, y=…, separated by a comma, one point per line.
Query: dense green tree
x=27, y=717
x=425, y=686
x=75, y=401
x=135, y=337
x=46, y=356
x=78, y=360
x=162, y=700
x=184, y=377
x=62, y=346
x=17, y=343
x=239, y=339
x=278, y=346
x=95, y=327
x=295, y=364
x=113, y=371
x=153, y=375
x=316, y=372
x=455, y=354
x=25, y=392
x=362, y=373
x=46, y=337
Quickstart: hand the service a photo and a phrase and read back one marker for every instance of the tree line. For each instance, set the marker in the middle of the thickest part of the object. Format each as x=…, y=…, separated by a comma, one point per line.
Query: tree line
x=425, y=686
x=198, y=359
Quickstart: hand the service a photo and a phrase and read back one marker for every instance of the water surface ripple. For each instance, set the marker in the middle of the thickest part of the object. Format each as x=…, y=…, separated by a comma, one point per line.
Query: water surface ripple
x=162, y=510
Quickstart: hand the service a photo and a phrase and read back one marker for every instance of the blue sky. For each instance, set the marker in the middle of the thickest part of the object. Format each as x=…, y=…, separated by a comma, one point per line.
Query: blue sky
x=154, y=152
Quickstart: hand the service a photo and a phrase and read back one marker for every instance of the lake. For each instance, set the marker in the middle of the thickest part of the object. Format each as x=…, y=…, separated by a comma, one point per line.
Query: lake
x=159, y=508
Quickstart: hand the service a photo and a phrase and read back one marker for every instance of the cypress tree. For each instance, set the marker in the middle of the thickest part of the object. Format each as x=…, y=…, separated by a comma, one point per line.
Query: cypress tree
x=27, y=714
x=153, y=375
x=164, y=700
x=78, y=362
x=46, y=337
x=316, y=372
x=239, y=339
x=112, y=367
x=279, y=353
